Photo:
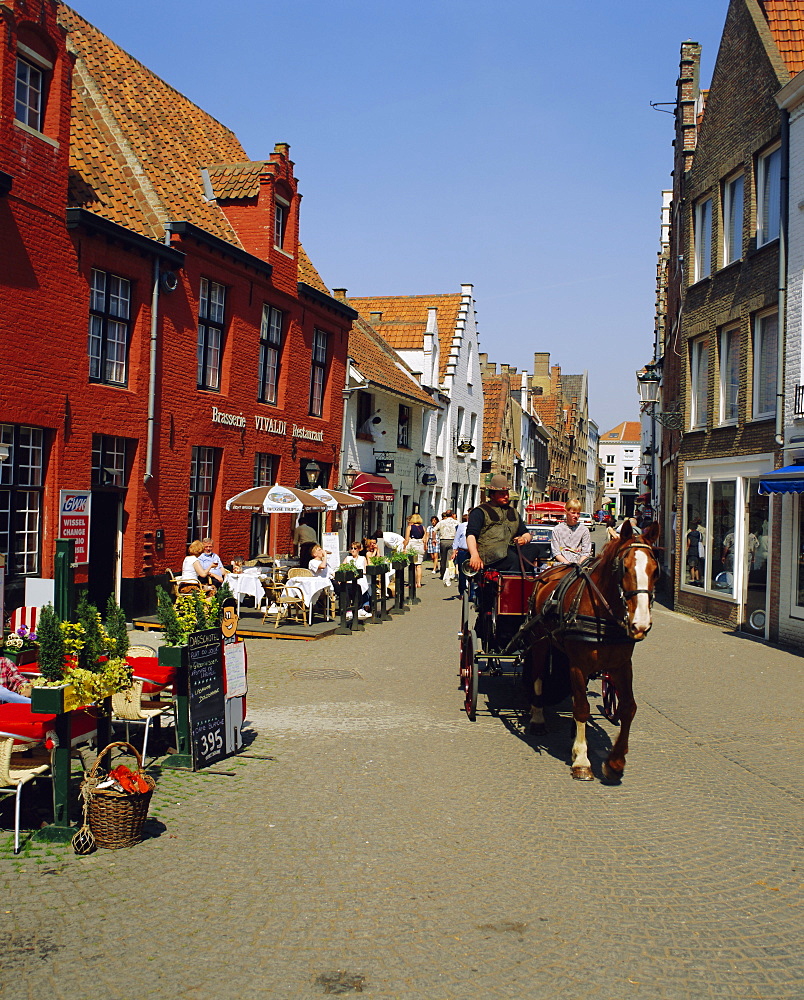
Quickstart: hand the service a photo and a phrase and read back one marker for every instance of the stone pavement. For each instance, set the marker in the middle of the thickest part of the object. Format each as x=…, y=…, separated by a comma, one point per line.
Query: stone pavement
x=375, y=840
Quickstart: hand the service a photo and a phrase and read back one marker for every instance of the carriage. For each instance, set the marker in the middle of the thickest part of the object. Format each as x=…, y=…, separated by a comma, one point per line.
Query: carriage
x=586, y=616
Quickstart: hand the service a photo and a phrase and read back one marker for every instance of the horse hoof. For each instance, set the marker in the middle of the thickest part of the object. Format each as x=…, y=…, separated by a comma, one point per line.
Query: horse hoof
x=611, y=776
x=583, y=774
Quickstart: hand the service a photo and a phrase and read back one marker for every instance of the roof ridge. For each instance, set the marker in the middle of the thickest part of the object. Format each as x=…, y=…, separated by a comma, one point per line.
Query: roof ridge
x=124, y=147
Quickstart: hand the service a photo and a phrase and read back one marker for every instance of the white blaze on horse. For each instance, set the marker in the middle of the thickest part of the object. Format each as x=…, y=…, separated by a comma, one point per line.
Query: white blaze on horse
x=594, y=614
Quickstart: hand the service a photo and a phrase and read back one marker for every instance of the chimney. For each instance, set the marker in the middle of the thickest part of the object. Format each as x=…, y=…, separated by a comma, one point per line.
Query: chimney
x=339, y=293
x=541, y=364
x=376, y=318
x=283, y=149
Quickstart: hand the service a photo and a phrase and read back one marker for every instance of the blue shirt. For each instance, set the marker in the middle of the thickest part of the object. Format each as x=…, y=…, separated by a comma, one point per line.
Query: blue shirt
x=459, y=542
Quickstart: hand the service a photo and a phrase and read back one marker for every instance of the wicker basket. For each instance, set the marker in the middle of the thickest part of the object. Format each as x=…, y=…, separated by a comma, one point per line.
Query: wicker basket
x=117, y=818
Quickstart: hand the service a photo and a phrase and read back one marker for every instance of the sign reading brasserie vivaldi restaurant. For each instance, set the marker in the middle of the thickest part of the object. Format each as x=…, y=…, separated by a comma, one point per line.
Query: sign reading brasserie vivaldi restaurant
x=268, y=425
x=74, y=508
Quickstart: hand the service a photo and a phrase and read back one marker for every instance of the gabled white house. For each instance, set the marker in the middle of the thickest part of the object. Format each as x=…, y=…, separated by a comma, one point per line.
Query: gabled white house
x=436, y=336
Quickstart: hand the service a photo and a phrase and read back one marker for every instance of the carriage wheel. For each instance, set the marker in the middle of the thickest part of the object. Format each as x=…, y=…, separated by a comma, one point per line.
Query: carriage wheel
x=611, y=703
x=469, y=673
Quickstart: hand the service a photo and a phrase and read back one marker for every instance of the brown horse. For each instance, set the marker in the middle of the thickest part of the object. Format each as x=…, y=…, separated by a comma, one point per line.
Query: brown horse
x=594, y=614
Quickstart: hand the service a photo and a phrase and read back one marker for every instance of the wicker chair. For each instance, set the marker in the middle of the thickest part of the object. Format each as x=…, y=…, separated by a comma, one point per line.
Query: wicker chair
x=13, y=778
x=129, y=706
x=290, y=601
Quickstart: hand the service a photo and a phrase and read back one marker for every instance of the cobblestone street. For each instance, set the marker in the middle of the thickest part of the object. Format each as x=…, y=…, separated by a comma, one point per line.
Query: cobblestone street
x=374, y=840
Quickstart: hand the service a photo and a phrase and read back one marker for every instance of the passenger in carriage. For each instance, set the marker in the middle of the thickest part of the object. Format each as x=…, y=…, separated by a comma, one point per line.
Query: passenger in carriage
x=571, y=542
x=495, y=530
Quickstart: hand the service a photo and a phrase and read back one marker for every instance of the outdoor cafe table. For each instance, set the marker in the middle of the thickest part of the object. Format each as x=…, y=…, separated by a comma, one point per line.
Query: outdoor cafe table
x=247, y=582
x=310, y=587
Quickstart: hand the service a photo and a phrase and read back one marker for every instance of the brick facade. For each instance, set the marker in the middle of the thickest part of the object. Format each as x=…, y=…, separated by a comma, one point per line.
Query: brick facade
x=80, y=202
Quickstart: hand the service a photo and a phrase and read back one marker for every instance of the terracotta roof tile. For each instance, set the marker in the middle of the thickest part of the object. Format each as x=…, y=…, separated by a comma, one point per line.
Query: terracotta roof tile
x=236, y=181
x=381, y=365
x=786, y=22
x=628, y=430
x=404, y=320
x=496, y=394
x=157, y=141
x=308, y=274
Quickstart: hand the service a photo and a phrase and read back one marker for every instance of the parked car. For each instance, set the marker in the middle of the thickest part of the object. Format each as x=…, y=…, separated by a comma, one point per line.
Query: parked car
x=587, y=519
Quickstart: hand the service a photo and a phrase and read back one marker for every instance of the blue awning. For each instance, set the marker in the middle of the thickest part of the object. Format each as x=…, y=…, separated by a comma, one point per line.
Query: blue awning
x=789, y=479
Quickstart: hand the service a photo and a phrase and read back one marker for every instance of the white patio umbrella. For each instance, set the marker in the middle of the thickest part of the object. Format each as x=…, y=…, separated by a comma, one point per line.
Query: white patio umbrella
x=336, y=499
x=275, y=499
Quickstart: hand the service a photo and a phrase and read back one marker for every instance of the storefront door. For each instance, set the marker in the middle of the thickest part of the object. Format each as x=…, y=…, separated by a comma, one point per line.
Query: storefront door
x=755, y=562
x=104, y=547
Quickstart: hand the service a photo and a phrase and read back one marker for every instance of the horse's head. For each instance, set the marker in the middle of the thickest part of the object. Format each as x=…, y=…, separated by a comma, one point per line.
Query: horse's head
x=637, y=571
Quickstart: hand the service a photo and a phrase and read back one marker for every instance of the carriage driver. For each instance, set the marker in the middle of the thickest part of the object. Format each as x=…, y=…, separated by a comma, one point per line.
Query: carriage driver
x=495, y=529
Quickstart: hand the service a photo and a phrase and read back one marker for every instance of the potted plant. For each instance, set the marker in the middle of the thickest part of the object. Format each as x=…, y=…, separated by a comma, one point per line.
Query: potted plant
x=190, y=613
x=377, y=566
x=49, y=693
x=347, y=572
x=21, y=646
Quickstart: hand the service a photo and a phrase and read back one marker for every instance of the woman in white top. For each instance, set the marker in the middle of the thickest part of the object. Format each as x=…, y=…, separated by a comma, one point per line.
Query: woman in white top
x=359, y=562
x=193, y=572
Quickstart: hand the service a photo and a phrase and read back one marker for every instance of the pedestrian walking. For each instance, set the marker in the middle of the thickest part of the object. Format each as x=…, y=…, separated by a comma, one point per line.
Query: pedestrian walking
x=433, y=548
x=414, y=542
x=445, y=529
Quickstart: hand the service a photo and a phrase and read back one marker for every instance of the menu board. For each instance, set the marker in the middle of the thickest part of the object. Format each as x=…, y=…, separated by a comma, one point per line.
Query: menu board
x=206, y=697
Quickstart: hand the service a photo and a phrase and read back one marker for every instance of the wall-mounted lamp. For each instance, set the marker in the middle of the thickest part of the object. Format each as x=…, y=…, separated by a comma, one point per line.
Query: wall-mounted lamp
x=648, y=385
x=5, y=452
x=349, y=477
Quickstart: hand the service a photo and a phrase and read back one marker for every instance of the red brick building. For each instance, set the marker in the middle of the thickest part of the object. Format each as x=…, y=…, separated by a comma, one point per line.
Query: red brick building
x=164, y=340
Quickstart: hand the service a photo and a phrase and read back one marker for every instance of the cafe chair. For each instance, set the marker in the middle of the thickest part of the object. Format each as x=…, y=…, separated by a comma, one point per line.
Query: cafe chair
x=13, y=778
x=172, y=587
x=129, y=706
x=272, y=584
x=290, y=601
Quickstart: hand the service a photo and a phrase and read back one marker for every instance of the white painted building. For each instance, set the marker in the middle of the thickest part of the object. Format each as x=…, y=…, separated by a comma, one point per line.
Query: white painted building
x=619, y=451
x=436, y=336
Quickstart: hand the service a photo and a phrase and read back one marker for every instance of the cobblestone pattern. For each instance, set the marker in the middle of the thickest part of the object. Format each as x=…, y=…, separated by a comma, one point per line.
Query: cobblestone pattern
x=376, y=840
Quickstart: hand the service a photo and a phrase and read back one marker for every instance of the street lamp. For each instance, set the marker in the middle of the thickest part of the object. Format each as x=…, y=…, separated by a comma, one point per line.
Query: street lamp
x=349, y=477
x=648, y=385
x=311, y=473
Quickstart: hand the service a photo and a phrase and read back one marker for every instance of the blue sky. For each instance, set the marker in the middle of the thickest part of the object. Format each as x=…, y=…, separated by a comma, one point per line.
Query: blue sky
x=511, y=145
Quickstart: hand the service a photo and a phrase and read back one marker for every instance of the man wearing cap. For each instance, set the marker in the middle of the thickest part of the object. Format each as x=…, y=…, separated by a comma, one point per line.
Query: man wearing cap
x=495, y=530
x=445, y=529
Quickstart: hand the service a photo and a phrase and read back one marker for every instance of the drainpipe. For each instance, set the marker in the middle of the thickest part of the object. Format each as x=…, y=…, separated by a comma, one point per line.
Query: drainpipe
x=784, y=186
x=151, y=431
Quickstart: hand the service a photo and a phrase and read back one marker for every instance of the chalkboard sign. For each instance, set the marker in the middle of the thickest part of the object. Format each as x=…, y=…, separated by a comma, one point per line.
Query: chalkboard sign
x=206, y=697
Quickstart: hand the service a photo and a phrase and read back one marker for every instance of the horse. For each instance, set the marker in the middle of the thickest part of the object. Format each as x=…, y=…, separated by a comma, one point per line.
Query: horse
x=594, y=613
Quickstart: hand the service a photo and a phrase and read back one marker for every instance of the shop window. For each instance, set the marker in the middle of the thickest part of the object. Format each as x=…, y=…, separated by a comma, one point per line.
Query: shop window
x=729, y=375
x=694, y=549
x=203, y=466
x=766, y=339
x=720, y=574
x=318, y=373
x=109, y=315
x=109, y=467
x=270, y=350
x=22, y=476
x=211, y=306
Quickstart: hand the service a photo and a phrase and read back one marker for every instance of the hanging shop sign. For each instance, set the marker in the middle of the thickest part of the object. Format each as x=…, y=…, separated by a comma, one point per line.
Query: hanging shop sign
x=429, y=479
x=384, y=466
x=74, y=511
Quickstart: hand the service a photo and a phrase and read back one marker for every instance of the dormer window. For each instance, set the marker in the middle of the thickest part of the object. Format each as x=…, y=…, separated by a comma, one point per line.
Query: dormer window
x=30, y=87
x=29, y=94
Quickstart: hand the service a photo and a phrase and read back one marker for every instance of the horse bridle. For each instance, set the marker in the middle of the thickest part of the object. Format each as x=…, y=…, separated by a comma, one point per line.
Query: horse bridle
x=619, y=571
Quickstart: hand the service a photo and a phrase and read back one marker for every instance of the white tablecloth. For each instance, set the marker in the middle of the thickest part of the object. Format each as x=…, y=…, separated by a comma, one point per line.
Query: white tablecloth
x=246, y=583
x=310, y=587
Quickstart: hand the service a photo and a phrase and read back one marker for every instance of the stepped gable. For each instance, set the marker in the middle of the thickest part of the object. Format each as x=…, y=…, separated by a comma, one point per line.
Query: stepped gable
x=404, y=320
x=137, y=144
x=380, y=365
x=786, y=22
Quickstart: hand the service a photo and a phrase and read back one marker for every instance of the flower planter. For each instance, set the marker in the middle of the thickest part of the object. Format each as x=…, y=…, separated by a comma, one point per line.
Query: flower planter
x=170, y=656
x=347, y=576
x=20, y=656
x=378, y=569
x=53, y=700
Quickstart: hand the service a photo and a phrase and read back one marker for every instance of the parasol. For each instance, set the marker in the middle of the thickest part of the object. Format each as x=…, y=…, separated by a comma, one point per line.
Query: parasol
x=336, y=499
x=275, y=499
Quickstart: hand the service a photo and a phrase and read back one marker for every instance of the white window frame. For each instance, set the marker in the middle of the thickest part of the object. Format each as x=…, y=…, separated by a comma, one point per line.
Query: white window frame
x=729, y=335
x=281, y=214
x=759, y=339
x=703, y=238
x=610, y=460
x=699, y=415
x=268, y=368
x=733, y=206
x=769, y=170
x=29, y=92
